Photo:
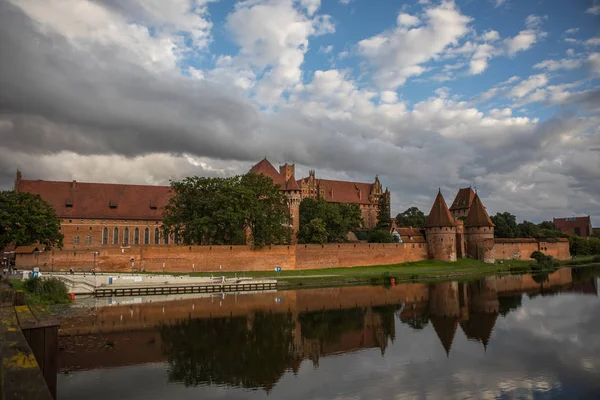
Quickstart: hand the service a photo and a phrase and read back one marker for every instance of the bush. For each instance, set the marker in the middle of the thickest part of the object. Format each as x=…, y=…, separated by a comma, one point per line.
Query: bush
x=378, y=236
x=47, y=291
x=538, y=256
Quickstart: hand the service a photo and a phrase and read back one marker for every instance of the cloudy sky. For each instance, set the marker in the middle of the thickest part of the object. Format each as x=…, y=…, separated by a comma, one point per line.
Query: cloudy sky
x=502, y=95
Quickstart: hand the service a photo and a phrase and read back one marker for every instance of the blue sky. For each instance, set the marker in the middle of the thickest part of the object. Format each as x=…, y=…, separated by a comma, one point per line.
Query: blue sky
x=501, y=95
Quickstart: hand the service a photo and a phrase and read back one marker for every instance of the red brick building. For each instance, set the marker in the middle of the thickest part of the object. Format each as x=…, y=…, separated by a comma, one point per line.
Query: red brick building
x=580, y=226
x=119, y=215
x=462, y=203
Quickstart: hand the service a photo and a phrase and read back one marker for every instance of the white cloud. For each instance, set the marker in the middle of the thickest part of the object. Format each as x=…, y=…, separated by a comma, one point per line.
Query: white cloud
x=399, y=54
x=388, y=96
x=554, y=65
x=571, y=31
x=479, y=61
x=311, y=6
x=529, y=84
x=526, y=38
x=594, y=62
x=326, y=49
x=491, y=36
x=407, y=20
x=595, y=41
x=274, y=36
x=499, y=3
x=595, y=9
x=344, y=2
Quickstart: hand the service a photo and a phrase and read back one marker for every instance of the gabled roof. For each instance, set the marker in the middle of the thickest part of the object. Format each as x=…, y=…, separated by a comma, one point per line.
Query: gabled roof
x=463, y=199
x=439, y=216
x=264, y=167
x=26, y=249
x=101, y=200
x=346, y=192
x=477, y=215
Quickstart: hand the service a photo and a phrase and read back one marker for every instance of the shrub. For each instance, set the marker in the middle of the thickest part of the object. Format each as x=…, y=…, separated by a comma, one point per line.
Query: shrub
x=47, y=291
x=538, y=256
x=379, y=236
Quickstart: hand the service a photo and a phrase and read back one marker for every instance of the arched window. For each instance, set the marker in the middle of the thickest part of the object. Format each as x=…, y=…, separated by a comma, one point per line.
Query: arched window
x=126, y=237
x=136, y=236
x=156, y=236
x=105, y=235
x=166, y=238
x=147, y=236
x=176, y=238
x=116, y=236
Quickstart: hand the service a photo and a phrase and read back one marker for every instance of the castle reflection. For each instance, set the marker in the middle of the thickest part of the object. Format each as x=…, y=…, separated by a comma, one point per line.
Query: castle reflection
x=251, y=340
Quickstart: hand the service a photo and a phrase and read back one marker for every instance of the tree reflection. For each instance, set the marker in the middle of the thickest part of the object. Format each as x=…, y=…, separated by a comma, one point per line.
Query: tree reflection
x=240, y=351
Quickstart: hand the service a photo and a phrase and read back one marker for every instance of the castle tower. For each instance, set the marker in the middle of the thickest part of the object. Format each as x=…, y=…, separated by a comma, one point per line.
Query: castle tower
x=440, y=231
x=287, y=171
x=293, y=193
x=479, y=233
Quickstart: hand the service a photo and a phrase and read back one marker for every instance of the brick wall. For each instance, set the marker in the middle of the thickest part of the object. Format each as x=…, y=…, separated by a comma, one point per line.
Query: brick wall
x=231, y=258
x=521, y=249
x=313, y=256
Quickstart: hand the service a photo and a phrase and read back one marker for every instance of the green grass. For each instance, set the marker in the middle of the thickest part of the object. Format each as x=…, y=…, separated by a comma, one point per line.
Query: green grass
x=46, y=292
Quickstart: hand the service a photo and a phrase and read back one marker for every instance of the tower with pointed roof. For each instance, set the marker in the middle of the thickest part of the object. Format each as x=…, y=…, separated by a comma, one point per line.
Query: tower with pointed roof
x=440, y=231
x=479, y=233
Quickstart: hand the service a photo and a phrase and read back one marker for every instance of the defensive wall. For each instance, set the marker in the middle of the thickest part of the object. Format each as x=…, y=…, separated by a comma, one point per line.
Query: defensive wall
x=174, y=258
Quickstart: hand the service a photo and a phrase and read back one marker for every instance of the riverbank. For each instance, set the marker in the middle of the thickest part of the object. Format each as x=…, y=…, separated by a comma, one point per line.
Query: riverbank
x=420, y=271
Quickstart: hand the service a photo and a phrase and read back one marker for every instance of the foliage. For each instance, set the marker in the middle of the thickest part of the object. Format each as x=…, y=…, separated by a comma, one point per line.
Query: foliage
x=46, y=291
x=528, y=229
x=219, y=210
x=412, y=217
x=249, y=352
x=549, y=233
x=548, y=225
x=596, y=259
x=26, y=219
x=538, y=256
x=580, y=246
x=338, y=218
x=362, y=235
x=506, y=225
x=313, y=232
x=383, y=213
x=380, y=236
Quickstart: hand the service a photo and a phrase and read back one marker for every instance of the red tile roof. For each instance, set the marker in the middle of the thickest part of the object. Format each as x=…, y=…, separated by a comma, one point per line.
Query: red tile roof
x=27, y=249
x=439, y=216
x=463, y=199
x=265, y=168
x=292, y=184
x=346, y=192
x=94, y=200
x=477, y=215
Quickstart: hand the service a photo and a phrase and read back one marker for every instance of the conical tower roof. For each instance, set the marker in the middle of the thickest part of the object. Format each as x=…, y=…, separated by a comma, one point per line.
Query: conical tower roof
x=265, y=168
x=439, y=216
x=479, y=327
x=445, y=328
x=477, y=215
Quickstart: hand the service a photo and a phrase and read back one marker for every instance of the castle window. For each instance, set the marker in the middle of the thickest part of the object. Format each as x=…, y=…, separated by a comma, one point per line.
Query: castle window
x=177, y=239
x=116, y=235
x=156, y=236
x=166, y=239
x=105, y=235
x=76, y=240
x=126, y=237
x=147, y=236
x=136, y=236
x=88, y=240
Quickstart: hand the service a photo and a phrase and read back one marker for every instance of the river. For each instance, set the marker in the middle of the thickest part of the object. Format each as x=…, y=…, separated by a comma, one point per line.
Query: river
x=517, y=336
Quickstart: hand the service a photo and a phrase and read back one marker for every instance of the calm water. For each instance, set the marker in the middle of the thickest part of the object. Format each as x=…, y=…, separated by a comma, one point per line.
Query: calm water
x=505, y=337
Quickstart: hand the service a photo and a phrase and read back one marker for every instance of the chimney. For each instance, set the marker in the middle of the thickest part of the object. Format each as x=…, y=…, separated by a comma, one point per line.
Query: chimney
x=17, y=181
x=73, y=184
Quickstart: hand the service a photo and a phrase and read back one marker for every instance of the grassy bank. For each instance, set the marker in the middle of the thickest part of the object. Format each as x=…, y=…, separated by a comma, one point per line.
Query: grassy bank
x=44, y=292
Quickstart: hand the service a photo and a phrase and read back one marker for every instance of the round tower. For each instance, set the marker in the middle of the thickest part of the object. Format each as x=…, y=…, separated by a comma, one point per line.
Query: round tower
x=440, y=231
x=479, y=233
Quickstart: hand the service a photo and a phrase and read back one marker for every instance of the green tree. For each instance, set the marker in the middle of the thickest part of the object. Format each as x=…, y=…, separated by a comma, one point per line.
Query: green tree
x=383, y=213
x=313, y=232
x=380, y=236
x=547, y=225
x=506, y=225
x=219, y=210
x=265, y=207
x=528, y=229
x=338, y=218
x=411, y=217
x=26, y=219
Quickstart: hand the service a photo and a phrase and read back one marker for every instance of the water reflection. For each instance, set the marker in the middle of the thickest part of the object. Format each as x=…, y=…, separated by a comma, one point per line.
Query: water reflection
x=251, y=341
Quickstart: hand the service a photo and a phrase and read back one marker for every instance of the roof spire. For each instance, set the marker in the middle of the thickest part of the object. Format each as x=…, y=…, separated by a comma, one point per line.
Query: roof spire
x=439, y=216
x=477, y=215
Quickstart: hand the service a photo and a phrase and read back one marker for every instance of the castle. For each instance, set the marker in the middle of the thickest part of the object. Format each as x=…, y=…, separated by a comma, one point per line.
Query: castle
x=106, y=214
x=366, y=195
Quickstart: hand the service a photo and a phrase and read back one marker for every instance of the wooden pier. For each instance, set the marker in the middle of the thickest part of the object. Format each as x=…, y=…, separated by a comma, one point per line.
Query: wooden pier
x=183, y=289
